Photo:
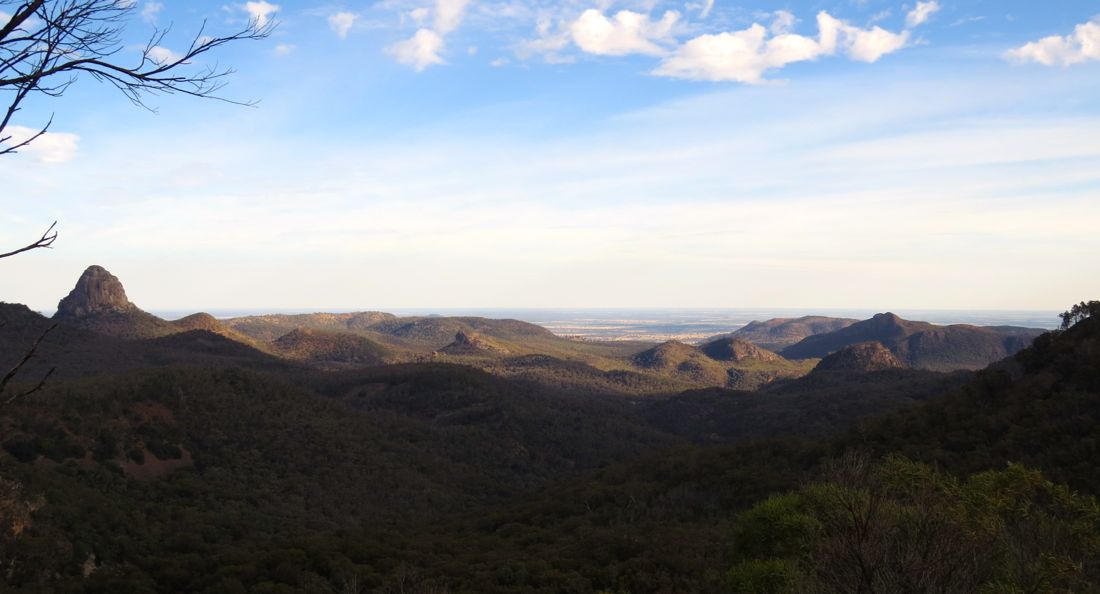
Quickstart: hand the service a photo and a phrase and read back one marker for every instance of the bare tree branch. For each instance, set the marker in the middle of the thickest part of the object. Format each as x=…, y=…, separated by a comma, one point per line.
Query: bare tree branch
x=47, y=44
x=44, y=242
x=10, y=375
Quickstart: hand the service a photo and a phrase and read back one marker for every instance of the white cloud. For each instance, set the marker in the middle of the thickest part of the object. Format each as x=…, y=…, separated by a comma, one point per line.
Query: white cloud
x=749, y=54
x=448, y=15
x=150, y=11
x=341, y=23
x=51, y=147
x=921, y=13
x=1080, y=46
x=259, y=12
x=161, y=55
x=419, y=51
x=868, y=45
x=419, y=14
x=626, y=33
x=284, y=49
x=499, y=62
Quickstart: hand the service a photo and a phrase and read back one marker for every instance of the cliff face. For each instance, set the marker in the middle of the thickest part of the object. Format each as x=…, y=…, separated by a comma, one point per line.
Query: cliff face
x=97, y=291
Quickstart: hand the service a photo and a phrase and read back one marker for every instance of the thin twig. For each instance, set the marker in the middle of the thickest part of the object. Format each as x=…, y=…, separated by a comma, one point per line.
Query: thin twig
x=44, y=242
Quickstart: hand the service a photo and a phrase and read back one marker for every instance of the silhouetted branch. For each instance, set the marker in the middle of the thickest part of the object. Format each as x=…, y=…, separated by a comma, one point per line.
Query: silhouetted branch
x=14, y=371
x=44, y=242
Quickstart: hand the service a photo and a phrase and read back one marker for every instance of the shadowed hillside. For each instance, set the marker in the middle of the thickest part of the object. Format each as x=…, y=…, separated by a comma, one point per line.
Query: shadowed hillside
x=330, y=348
x=777, y=333
x=449, y=474
x=724, y=362
x=919, y=344
x=674, y=514
x=860, y=357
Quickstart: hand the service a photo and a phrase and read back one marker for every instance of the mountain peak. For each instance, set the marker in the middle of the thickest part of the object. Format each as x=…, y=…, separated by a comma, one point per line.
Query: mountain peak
x=97, y=291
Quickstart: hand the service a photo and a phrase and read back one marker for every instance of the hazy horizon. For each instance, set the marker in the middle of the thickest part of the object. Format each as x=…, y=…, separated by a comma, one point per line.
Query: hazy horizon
x=688, y=324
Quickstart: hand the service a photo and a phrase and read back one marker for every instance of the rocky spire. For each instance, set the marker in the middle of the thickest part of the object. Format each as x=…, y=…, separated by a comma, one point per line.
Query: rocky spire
x=97, y=291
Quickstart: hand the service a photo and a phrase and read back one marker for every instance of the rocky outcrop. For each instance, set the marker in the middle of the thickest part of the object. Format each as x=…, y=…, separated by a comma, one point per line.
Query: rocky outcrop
x=98, y=303
x=96, y=292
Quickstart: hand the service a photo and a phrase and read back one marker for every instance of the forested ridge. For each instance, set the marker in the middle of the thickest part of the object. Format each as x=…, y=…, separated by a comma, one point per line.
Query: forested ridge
x=434, y=477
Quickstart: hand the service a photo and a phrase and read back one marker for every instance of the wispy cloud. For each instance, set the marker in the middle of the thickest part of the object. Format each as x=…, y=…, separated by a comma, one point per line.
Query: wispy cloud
x=425, y=47
x=341, y=23
x=419, y=51
x=921, y=13
x=150, y=11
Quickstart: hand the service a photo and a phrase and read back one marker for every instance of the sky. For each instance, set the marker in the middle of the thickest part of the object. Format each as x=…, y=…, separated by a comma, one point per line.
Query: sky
x=583, y=153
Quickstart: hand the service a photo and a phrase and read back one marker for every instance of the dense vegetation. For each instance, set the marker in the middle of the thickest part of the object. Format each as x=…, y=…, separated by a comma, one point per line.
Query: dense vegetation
x=433, y=477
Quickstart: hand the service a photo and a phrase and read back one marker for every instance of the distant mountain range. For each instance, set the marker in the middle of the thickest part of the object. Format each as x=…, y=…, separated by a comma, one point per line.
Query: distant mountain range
x=99, y=307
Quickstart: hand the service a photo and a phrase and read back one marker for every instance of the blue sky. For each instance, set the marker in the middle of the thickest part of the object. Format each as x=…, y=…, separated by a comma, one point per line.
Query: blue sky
x=586, y=153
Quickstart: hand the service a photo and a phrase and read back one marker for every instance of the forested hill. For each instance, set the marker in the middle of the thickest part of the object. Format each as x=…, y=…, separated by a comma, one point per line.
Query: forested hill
x=667, y=522
x=433, y=477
